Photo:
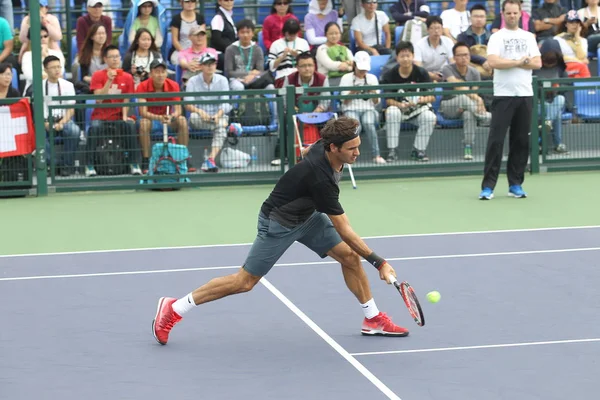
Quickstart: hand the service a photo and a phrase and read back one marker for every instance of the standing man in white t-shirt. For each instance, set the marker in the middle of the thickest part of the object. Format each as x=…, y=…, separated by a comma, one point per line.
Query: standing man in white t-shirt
x=513, y=54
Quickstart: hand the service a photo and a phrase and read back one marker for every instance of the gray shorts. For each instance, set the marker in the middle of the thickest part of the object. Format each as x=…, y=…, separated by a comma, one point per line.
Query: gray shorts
x=273, y=239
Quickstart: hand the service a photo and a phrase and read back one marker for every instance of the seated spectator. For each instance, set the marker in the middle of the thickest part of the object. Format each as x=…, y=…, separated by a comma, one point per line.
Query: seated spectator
x=573, y=46
x=283, y=52
x=414, y=109
x=49, y=21
x=7, y=12
x=525, y=22
x=547, y=18
x=307, y=76
x=456, y=20
x=222, y=29
x=189, y=58
x=334, y=59
x=147, y=17
x=112, y=123
x=553, y=67
x=470, y=107
x=407, y=10
x=244, y=61
x=27, y=64
x=153, y=116
x=7, y=43
x=363, y=110
x=434, y=51
x=140, y=55
x=590, y=16
x=372, y=30
x=181, y=25
x=6, y=77
x=95, y=8
x=272, y=27
x=62, y=118
x=90, y=57
x=214, y=116
x=476, y=38
x=320, y=12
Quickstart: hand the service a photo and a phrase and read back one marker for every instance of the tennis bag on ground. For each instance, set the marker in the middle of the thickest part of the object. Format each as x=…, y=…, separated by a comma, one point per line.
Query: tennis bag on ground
x=234, y=158
x=253, y=113
x=168, y=161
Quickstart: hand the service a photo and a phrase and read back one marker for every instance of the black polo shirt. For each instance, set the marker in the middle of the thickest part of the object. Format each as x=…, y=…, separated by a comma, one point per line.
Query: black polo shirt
x=392, y=77
x=308, y=186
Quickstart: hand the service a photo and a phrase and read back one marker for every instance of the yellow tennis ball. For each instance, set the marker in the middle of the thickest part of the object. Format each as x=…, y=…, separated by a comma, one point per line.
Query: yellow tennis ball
x=434, y=296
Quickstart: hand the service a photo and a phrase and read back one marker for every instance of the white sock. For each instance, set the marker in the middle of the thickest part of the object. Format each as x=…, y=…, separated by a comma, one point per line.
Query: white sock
x=184, y=304
x=370, y=309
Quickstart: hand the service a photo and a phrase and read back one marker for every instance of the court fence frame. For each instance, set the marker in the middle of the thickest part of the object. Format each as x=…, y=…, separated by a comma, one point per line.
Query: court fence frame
x=580, y=130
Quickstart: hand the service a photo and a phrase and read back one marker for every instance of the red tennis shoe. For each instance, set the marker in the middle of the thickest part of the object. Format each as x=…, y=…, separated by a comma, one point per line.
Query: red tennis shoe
x=164, y=320
x=382, y=325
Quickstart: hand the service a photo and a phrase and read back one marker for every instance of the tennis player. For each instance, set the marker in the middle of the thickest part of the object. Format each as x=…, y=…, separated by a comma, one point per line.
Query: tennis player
x=304, y=206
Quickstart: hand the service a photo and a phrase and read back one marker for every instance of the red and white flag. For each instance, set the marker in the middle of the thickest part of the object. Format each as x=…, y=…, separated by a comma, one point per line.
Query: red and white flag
x=17, y=136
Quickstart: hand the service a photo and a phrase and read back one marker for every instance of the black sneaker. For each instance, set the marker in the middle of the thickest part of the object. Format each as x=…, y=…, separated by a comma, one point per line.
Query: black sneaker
x=392, y=156
x=419, y=155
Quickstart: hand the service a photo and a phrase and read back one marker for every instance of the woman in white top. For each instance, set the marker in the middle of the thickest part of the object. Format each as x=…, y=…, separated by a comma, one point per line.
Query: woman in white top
x=333, y=59
x=590, y=16
x=49, y=21
x=140, y=55
x=27, y=63
x=573, y=46
x=363, y=110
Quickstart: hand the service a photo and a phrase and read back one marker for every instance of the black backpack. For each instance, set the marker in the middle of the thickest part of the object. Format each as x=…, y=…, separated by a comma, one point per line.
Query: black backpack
x=110, y=158
x=253, y=113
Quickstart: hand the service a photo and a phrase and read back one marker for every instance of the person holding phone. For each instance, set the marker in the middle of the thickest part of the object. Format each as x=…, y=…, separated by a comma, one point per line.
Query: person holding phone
x=589, y=15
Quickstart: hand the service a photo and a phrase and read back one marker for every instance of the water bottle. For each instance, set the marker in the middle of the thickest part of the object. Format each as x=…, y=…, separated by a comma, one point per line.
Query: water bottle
x=205, y=154
x=253, y=155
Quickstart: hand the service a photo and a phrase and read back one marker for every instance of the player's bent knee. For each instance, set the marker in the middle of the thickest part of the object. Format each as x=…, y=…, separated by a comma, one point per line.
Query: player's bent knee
x=246, y=281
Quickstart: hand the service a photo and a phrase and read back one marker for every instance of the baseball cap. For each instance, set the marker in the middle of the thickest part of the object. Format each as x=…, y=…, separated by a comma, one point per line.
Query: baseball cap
x=194, y=30
x=369, y=1
x=159, y=62
x=43, y=3
x=362, y=60
x=572, y=16
x=207, y=58
x=93, y=3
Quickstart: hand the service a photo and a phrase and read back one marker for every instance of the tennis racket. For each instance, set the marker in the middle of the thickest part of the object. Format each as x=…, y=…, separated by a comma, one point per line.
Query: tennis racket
x=410, y=299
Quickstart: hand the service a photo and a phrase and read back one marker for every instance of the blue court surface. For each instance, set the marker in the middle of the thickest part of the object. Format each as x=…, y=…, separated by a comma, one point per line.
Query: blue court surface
x=519, y=319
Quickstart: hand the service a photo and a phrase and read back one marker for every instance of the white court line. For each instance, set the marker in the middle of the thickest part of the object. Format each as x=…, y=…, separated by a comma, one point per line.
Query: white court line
x=296, y=264
x=489, y=346
x=329, y=340
x=248, y=244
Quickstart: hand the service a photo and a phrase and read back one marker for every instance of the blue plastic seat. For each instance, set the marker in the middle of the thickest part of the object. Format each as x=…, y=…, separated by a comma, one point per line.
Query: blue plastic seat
x=398, y=33
x=588, y=101
x=444, y=122
x=377, y=63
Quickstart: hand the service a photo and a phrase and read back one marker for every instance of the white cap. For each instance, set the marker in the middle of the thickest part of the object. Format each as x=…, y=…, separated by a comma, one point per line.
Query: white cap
x=362, y=60
x=92, y=3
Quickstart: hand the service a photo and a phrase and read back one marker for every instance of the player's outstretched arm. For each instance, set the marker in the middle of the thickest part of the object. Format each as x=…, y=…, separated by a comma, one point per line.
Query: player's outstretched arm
x=343, y=227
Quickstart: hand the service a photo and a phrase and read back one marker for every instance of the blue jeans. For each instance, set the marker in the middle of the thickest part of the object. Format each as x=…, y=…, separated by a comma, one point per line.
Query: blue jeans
x=70, y=136
x=368, y=120
x=554, y=113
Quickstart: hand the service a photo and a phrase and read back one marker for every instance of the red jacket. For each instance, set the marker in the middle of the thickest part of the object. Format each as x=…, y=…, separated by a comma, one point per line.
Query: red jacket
x=272, y=27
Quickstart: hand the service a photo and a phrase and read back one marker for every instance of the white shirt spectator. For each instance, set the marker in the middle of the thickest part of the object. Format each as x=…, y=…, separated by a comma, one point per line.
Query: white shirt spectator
x=567, y=50
x=513, y=45
x=361, y=24
x=456, y=21
x=61, y=88
x=433, y=58
x=358, y=104
x=288, y=65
